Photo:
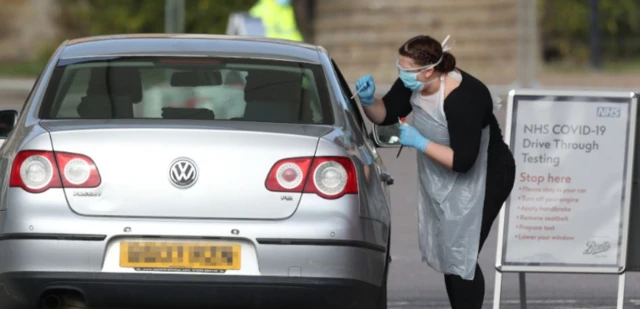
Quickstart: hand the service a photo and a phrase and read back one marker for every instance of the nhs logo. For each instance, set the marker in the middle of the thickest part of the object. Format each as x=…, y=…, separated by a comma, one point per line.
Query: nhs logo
x=610, y=112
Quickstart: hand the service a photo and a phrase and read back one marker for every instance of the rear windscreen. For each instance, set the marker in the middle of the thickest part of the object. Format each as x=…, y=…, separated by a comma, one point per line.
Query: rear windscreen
x=188, y=88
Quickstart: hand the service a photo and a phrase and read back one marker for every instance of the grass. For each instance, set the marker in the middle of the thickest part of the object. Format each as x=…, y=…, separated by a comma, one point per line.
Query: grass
x=21, y=69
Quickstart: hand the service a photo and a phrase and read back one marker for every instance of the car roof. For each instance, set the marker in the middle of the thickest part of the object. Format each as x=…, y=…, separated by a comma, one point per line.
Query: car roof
x=167, y=44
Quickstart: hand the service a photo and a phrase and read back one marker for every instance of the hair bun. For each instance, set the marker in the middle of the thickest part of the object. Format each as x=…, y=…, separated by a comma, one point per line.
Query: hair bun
x=447, y=64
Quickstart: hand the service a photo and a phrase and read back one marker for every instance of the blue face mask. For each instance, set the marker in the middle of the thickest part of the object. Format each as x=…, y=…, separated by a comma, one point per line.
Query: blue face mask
x=283, y=2
x=410, y=80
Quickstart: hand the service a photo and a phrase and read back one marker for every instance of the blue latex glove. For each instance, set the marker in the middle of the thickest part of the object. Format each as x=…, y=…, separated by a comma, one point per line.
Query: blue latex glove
x=410, y=137
x=367, y=88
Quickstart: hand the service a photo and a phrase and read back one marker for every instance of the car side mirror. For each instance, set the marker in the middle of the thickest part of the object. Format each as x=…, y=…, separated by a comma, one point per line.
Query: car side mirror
x=386, y=136
x=8, y=120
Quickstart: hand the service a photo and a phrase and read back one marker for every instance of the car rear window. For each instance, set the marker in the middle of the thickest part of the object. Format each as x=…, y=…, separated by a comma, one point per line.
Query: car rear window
x=188, y=88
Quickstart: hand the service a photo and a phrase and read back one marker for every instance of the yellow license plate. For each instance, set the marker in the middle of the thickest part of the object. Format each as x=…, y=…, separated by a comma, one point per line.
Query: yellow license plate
x=170, y=255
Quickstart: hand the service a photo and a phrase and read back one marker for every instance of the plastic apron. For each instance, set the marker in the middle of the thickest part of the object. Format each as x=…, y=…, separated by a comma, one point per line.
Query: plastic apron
x=449, y=203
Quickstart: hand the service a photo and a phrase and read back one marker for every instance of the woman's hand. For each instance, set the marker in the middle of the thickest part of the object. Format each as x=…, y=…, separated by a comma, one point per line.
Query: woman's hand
x=366, y=88
x=410, y=137
x=373, y=108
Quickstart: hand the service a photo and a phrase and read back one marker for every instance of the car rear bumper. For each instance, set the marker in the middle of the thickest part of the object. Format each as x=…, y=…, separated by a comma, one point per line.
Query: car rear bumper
x=117, y=290
x=301, y=273
x=289, y=258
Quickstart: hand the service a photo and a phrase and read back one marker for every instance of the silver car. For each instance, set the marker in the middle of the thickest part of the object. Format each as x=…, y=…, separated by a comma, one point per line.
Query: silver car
x=191, y=170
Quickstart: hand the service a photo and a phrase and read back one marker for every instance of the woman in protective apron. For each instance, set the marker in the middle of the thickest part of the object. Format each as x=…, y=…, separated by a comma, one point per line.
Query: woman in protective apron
x=465, y=170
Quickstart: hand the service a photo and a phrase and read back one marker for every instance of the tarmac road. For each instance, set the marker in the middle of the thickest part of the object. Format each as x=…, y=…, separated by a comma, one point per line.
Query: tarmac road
x=413, y=284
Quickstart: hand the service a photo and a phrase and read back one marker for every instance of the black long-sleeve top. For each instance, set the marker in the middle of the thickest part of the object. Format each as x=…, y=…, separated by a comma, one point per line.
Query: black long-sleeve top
x=468, y=109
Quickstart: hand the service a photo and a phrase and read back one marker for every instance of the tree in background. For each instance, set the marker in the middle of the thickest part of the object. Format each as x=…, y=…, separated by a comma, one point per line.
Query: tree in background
x=564, y=27
x=98, y=17
x=80, y=18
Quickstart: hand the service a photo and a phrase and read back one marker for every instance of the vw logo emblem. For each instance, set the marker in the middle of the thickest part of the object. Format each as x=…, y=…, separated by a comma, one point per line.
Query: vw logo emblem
x=183, y=173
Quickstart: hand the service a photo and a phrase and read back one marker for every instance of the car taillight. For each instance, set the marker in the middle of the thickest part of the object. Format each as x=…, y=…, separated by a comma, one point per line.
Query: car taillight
x=37, y=171
x=288, y=175
x=328, y=177
x=34, y=171
x=77, y=171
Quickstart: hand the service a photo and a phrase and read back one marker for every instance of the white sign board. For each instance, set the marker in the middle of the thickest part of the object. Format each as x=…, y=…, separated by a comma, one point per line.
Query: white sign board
x=569, y=208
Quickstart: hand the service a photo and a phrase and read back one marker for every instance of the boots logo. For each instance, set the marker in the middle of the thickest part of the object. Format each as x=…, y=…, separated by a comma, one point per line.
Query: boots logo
x=594, y=248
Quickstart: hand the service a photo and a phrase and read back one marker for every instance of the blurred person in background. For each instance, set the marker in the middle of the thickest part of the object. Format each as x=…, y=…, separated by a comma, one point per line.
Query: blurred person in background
x=278, y=18
x=465, y=170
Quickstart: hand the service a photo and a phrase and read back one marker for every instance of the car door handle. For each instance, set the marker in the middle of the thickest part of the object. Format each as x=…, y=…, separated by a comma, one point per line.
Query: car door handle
x=386, y=177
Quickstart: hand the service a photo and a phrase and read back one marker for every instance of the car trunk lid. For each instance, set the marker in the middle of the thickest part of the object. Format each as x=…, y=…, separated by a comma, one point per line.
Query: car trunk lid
x=134, y=159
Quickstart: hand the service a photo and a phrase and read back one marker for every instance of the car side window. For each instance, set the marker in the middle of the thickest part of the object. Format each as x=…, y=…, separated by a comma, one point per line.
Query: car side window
x=348, y=94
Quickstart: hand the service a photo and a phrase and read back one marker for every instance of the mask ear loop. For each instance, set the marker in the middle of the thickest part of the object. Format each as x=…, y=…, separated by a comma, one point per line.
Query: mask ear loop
x=444, y=45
